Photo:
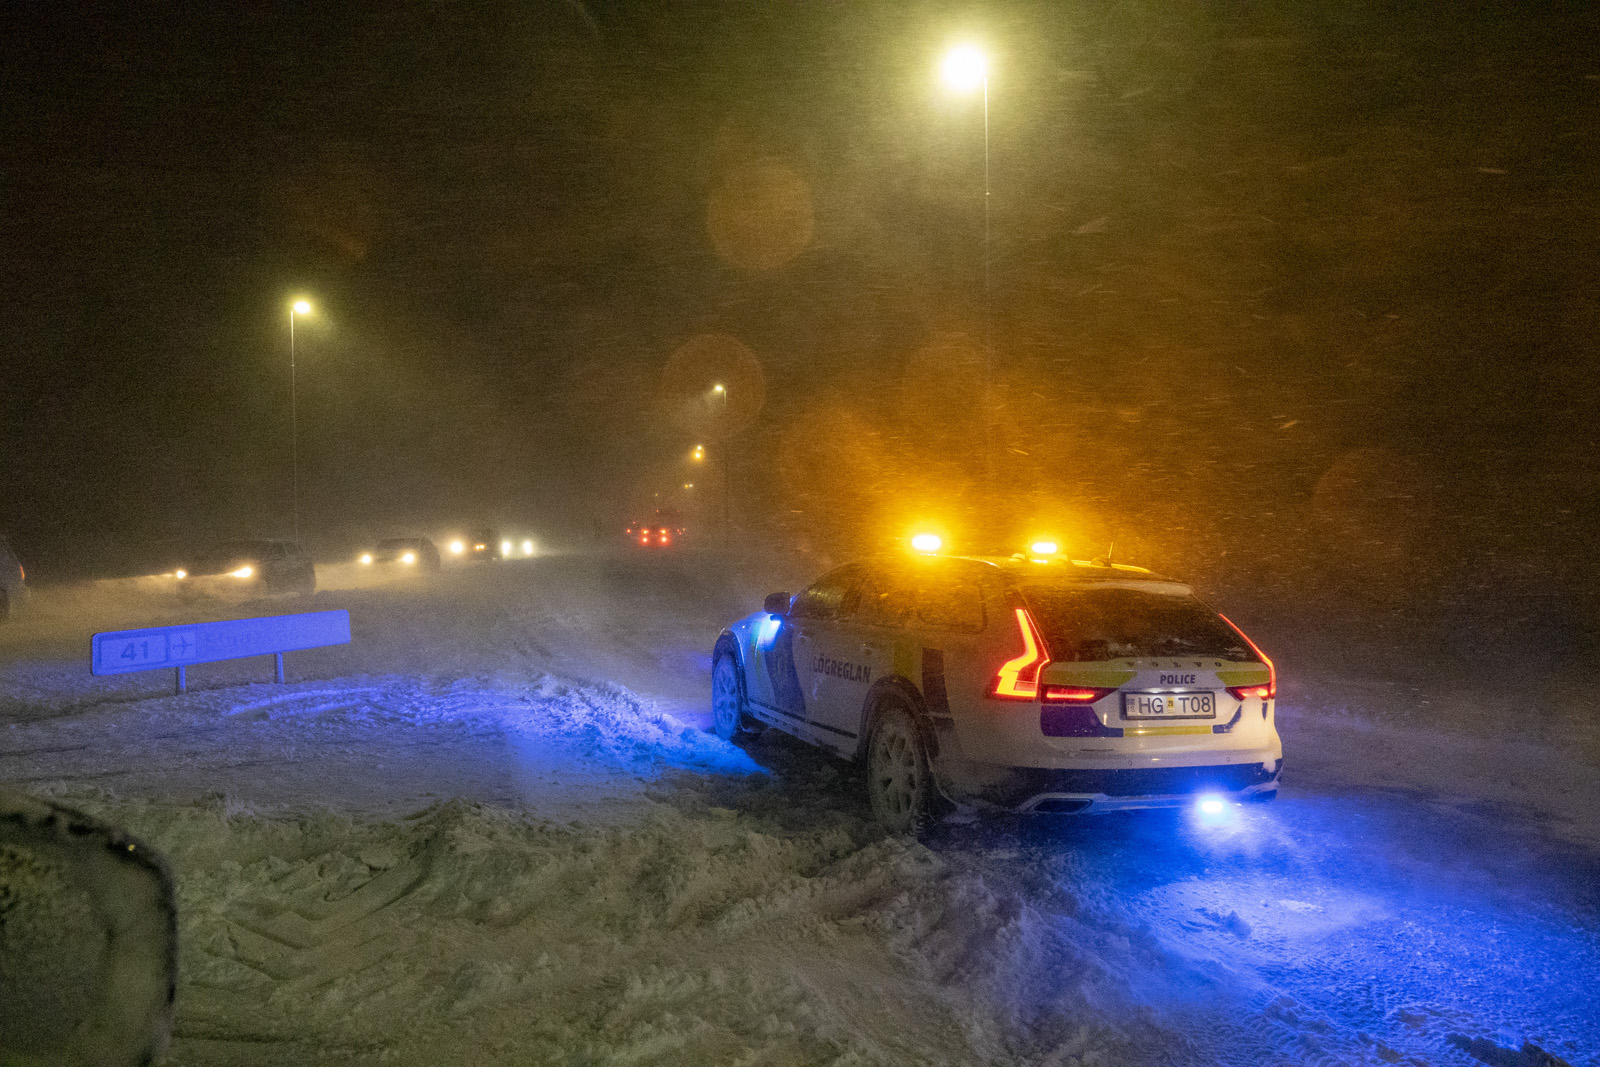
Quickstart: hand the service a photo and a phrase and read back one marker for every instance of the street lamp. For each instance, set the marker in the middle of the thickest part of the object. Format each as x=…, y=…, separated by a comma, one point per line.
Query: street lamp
x=298, y=307
x=965, y=69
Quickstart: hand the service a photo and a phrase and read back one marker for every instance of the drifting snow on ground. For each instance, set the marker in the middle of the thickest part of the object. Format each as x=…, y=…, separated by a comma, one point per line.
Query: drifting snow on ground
x=460, y=841
x=377, y=745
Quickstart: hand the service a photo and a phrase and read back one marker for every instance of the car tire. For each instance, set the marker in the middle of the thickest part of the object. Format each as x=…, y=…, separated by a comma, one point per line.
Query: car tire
x=729, y=720
x=900, y=785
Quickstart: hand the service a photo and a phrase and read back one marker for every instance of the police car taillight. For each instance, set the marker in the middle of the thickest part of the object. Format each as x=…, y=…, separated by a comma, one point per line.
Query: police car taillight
x=1074, y=694
x=1018, y=678
x=1271, y=688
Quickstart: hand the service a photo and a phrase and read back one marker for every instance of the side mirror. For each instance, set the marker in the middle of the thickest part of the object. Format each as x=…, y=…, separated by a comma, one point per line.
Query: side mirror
x=776, y=604
x=88, y=940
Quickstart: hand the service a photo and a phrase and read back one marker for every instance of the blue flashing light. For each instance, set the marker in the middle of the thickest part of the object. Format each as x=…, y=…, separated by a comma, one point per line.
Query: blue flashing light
x=1210, y=805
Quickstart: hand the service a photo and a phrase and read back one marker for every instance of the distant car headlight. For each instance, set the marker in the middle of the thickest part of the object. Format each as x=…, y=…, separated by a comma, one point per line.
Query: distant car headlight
x=409, y=557
x=505, y=548
x=456, y=547
x=366, y=557
x=242, y=572
x=527, y=548
x=181, y=573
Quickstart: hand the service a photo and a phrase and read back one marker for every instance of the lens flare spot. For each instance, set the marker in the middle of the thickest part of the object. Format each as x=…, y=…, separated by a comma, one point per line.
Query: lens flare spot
x=760, y=216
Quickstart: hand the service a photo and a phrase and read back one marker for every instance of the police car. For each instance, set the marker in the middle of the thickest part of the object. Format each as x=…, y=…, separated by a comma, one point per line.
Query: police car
x=1034, y=683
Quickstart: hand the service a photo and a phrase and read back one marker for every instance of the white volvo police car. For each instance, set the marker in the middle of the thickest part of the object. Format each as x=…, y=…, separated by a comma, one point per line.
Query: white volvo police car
x=1033, y=684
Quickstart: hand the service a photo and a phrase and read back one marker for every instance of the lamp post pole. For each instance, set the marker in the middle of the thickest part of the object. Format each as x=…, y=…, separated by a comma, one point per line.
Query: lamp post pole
x=965, y=69
x=988, y=315
x=722, y=432
x=299, y=307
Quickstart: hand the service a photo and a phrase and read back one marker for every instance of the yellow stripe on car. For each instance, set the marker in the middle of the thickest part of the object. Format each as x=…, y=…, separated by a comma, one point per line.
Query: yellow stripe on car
x=1141, y=731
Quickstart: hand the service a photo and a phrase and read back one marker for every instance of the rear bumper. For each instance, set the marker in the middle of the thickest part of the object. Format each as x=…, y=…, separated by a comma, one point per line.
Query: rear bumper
x=1044, y=790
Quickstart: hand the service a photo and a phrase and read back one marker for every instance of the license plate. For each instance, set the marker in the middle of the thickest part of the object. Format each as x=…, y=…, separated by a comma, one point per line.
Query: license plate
x=1169, y=705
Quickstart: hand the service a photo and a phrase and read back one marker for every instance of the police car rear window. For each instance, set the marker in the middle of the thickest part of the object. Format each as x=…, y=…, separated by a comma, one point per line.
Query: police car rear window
x=921, y=599
x=1086, y=624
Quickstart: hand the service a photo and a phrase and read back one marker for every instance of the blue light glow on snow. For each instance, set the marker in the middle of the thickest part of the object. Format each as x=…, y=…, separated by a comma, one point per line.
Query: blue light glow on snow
x=609, y=728
x=1347, y=930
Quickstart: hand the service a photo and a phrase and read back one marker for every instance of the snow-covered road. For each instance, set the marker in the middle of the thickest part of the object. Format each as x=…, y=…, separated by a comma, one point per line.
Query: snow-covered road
x=494, y=830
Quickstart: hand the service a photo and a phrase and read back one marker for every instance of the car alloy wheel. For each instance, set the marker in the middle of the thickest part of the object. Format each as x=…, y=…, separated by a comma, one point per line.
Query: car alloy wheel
x=727, y=710
x=897, y=771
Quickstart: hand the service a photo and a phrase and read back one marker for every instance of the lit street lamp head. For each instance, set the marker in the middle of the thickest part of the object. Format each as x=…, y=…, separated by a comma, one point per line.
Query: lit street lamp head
x=965, y=68
x=301, y=307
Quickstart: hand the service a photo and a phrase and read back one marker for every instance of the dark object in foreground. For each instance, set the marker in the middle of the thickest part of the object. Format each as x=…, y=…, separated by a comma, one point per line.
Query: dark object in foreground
x=88, y=940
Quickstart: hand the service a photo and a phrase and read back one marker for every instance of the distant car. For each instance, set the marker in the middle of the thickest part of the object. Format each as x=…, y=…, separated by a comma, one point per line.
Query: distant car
x=517, y=547
x=1022, y=684
x=237, y=569
x=655, y=534
x=479, y=544
x=13, y=581
x=417, y=553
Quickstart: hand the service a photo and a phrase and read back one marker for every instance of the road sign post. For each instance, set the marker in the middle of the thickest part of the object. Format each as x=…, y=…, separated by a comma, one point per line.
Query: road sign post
x=181, y=647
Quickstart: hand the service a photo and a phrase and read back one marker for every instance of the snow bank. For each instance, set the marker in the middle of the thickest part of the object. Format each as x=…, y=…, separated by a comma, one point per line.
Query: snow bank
x=722, y=928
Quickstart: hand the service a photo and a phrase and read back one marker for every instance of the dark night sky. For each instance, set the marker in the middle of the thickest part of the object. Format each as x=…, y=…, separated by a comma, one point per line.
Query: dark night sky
x=1310, y=285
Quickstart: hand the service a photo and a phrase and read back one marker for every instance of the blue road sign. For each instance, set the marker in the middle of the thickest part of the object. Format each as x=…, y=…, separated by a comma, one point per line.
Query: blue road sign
x=124, y=651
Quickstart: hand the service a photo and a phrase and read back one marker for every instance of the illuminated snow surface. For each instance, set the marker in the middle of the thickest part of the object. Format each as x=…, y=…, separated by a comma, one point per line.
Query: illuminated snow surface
x=494, y=830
